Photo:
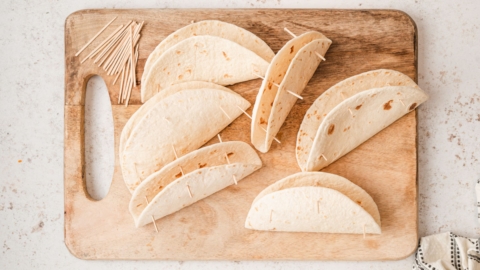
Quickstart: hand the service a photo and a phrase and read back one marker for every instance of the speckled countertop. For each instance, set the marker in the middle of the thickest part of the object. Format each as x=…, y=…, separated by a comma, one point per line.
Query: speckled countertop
x=31, y=127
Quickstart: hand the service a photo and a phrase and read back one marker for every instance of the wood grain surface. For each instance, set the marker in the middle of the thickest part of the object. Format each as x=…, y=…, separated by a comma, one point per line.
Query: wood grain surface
x=213, y=228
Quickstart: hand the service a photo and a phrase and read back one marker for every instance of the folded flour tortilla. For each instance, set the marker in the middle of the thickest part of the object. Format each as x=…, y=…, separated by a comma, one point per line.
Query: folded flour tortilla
x=221, y=29
x=314, y=202
x=205, y=171
x=202, y=58
x=137, y=116
x=359, y=121
x=183, y=121
x=290, y=69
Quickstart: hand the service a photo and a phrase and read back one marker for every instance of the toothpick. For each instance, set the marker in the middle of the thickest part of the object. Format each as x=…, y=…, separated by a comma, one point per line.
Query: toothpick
x=293, y=35
x=98, y=34
x=116, y=78
x=153, y=219
x=402, y=102
x=219, y=138
x=99, y=47
x=132, y=54
x=275, y=138
x=290, y=32
x=343, y=95
x=235, y=180
x=189, y=192
x=174, y=152
x=121, y=87
x=244, y=112
x=363, y=231
x=320, y=56
x=228, y=160
x=225, y=112
x=322, y=155
x=350, y=111
x=295, y=94
x=261, y=77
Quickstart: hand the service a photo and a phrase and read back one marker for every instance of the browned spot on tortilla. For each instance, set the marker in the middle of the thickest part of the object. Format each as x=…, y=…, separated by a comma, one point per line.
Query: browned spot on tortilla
x=179, y=64
x=291, y=49
x=308, y=116
x=164, y=69
x=299, y=148
x=226, y=56
x=180, y=77
x=331, y=128
x=227, y=75
x=271, y=104
x=189, y=71
x=359, y=202
x=412, y=106
x=178, y=175
x=270, y=85
x=387, y=105
x=262, y=121
x=358, y=107
x=318, y=117
x=229, y=154
x=200, y=165
x=374, y=95
x=160, y=187
x=178, y=52
x=139, y=205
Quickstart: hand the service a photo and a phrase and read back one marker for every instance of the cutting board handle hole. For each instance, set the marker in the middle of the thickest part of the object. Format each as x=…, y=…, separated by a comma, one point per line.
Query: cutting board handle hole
x=99, y=134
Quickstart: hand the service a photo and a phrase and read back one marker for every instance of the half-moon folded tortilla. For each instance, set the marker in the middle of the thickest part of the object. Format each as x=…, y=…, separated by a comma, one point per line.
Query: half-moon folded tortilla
x=183, y=121
x=147, y=106
x=334, y=96
x=221, y=29
x=203, y=58
x=314, y=202
x=290, y=69
x=199, y=173
x=356, y=119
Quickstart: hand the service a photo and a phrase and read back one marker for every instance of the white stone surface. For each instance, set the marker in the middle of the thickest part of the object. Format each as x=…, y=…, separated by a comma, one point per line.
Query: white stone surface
x=31, y=126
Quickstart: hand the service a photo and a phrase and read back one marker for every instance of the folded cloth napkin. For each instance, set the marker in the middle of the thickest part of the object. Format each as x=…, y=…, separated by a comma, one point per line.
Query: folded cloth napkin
x=447, y=251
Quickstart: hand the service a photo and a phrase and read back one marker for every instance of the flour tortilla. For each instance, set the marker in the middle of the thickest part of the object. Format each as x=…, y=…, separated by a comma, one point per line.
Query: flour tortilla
x=327, y=180
x=334, y=96
x=185, y=120
x=373, y=110
x=137, y=116
x=291, y=69
x=206, y=172
x=221, y=29
x=310, y=209
x=203, y=58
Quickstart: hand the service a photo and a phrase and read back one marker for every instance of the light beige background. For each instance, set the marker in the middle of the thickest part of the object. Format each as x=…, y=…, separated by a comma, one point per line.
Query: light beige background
x=31, y=127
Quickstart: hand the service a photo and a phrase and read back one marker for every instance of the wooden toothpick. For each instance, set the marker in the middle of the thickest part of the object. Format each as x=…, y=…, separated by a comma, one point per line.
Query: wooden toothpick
x=293, y=35
x=289, y=32
x=189, y=192
x=401, y=101
x=228, y=116
x=343, y=95
x=235, y=180
x=174, y=152
x=153, y=219
x=261, y=77
x=244, y=112
x=275, y=138
x=295, y=94
x=98, y=34
x=322, y=155
x=350, y=110
x=219, y=138
x=320, y=56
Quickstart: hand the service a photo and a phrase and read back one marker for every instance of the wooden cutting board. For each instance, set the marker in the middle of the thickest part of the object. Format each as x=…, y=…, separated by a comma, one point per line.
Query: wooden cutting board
x=213, y=228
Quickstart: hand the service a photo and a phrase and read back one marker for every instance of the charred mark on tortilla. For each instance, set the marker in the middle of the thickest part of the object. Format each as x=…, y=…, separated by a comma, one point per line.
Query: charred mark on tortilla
x=387, y=106
x=331, y=128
